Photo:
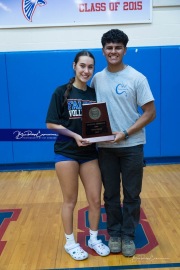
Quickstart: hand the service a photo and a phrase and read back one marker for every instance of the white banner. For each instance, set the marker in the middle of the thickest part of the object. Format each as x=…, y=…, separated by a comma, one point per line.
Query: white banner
x=39, y=13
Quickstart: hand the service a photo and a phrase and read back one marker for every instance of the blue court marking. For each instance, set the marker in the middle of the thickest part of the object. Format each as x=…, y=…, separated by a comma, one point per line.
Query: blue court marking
x=4, y=215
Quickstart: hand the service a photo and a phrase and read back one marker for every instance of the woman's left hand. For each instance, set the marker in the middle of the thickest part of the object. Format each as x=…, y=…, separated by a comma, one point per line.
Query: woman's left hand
x=80, y=141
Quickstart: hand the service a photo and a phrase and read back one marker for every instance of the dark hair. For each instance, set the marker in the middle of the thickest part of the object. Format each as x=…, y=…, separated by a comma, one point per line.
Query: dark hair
x=114, y=36
x=71, y=81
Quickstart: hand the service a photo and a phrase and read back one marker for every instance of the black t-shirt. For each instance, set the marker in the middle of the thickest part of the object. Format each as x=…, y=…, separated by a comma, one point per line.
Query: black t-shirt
x=70, y=116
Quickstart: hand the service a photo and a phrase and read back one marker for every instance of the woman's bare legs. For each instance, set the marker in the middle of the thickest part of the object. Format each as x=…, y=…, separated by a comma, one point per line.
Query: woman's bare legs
x=91, y=179
x=67, y=172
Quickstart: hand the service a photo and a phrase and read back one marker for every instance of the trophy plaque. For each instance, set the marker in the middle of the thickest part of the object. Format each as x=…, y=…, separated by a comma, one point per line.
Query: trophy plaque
x=95, y=123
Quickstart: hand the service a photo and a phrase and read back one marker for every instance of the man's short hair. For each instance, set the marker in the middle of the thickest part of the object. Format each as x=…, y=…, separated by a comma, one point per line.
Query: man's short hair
x=114, y=36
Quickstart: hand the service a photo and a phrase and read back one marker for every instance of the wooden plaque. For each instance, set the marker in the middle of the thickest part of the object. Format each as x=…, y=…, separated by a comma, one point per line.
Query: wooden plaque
x=95, y=123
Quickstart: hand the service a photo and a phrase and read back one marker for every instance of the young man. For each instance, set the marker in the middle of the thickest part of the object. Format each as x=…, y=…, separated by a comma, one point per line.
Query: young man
x=123, y=89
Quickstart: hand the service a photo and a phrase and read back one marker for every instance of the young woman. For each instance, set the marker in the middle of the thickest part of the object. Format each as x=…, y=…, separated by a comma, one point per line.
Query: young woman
x=74, y=156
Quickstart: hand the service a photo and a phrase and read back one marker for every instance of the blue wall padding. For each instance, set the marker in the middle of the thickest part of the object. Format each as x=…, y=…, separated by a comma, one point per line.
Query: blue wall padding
x=6, y=154
x=170, y=101
x=28, y=79
x=32, y=77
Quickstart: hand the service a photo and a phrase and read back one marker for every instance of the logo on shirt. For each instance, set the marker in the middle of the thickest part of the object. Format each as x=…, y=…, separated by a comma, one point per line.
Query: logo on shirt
x=121, y=89
x=29, y=6
x=75, y=107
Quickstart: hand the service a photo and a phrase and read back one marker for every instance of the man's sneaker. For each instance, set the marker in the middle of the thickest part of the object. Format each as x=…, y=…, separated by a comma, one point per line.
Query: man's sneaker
x=128, y=248
x=115, y=244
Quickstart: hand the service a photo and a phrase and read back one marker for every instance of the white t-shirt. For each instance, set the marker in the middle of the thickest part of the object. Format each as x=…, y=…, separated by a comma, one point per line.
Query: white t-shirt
x=123, y=92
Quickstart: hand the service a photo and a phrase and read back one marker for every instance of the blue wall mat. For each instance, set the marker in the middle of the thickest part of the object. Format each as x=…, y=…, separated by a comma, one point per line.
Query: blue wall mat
x=32, y=78
x=25, y=152
x=147, y=61
x=170, y=101
x=6, y=155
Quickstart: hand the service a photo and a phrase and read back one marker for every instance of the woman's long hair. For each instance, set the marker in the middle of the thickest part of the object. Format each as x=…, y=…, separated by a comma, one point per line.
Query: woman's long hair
x=71, y=81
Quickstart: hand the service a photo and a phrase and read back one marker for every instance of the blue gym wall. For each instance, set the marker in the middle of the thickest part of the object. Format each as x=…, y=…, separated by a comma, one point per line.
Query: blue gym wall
x=28, y=79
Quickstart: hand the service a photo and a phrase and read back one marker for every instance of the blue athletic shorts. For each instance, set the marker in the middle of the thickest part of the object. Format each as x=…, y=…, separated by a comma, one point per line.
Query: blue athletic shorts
x=59, y=158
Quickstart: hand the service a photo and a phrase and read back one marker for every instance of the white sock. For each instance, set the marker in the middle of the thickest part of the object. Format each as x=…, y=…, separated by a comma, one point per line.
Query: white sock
x=70, y=239
x=93, y=235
